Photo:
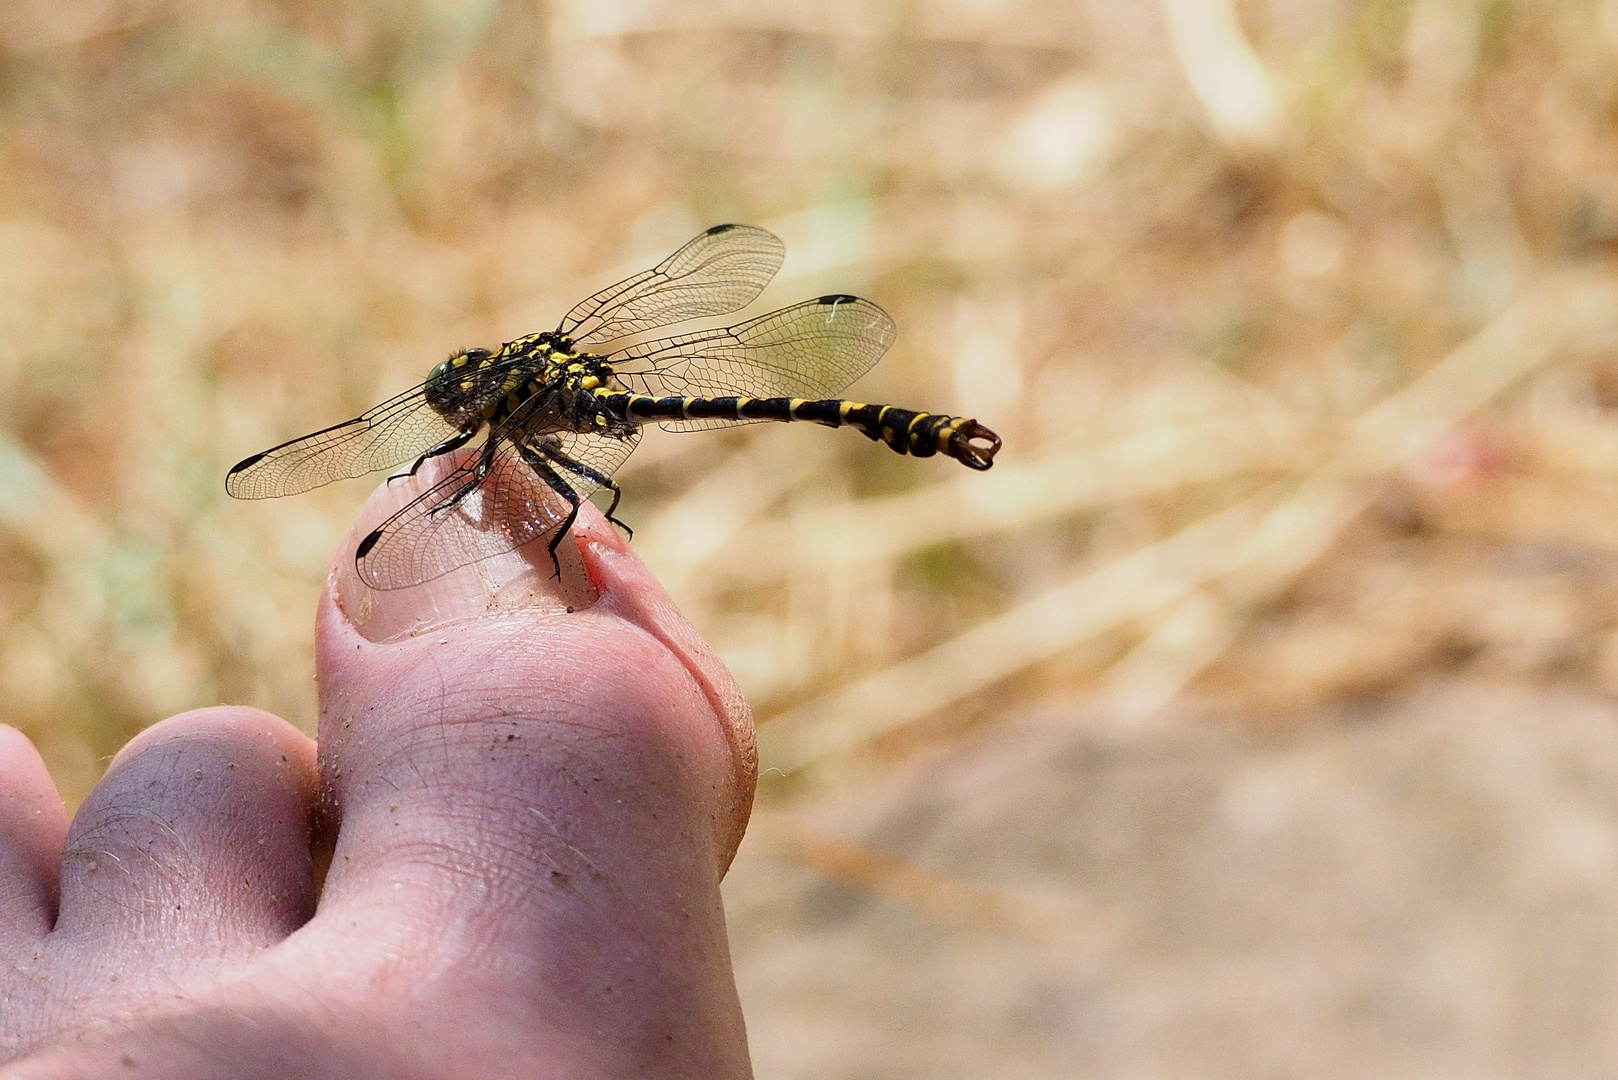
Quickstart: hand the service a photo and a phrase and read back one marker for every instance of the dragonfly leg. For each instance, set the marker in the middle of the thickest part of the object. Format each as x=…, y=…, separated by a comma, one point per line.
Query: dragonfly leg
x=540, y=466
x=617, y=493
x=485, y=462
x=454, y=442
x=598, y=477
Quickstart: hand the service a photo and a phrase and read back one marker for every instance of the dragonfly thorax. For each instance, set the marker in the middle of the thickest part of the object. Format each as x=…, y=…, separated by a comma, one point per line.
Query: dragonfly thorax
x=476, y=386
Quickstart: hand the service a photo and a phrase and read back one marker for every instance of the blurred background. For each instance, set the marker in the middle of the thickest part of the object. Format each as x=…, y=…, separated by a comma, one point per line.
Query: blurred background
x=1253, y=717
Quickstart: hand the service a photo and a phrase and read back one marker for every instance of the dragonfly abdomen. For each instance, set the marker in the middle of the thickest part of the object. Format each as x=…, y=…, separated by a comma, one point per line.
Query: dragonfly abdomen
x=905, y=431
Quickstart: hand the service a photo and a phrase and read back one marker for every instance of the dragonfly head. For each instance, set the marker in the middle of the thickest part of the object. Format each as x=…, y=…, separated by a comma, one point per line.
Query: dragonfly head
x=445, y=386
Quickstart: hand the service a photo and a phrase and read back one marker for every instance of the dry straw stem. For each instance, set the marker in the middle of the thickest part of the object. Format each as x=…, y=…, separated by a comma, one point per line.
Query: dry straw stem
x=1058, y=485
x=1224, y=71
x=1262, y=542
x=707, y=518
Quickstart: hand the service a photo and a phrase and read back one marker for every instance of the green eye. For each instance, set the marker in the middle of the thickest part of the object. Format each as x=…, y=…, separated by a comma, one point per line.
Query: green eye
x=436, y=375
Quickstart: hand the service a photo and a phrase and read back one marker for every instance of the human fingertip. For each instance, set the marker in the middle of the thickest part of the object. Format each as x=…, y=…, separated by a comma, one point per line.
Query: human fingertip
x=26, y=787
x=231, y=723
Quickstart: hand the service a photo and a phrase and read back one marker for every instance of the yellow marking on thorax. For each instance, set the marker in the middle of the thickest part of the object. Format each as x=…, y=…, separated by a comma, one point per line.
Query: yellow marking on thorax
x=590, y=382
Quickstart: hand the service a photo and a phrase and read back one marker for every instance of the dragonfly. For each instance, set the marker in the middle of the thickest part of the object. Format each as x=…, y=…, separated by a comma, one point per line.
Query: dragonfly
x=558, y=417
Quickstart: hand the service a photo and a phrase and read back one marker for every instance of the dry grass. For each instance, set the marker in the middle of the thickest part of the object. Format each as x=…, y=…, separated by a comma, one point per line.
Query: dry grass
x=1256, y=305
x=1299, y=320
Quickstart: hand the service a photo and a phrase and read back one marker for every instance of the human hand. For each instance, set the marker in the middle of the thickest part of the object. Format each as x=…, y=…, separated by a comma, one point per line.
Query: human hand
x=528, y=810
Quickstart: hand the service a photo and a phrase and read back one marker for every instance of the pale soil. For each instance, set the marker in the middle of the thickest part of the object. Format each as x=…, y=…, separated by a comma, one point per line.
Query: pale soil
x=1419, y=886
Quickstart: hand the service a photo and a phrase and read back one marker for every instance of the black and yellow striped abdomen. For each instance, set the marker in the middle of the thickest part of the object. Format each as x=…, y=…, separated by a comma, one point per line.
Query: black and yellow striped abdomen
x=905, y=431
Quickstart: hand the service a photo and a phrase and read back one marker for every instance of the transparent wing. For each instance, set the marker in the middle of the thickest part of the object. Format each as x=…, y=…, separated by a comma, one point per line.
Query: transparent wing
x=492, y=503
x=586, y=460
x=720, y=271
x=810, y=350
x=401, y=428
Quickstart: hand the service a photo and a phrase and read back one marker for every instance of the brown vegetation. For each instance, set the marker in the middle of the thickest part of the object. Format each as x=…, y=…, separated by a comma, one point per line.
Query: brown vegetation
x=1299, y=321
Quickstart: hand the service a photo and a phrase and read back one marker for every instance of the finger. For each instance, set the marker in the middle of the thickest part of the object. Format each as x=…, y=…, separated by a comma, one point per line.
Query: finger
x=602, y=582
x=626, y=666
x=192, y=853
x=557, y=792
x=33, y=823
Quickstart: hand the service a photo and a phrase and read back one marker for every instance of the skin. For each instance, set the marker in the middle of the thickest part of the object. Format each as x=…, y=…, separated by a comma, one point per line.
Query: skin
x=526, y=813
